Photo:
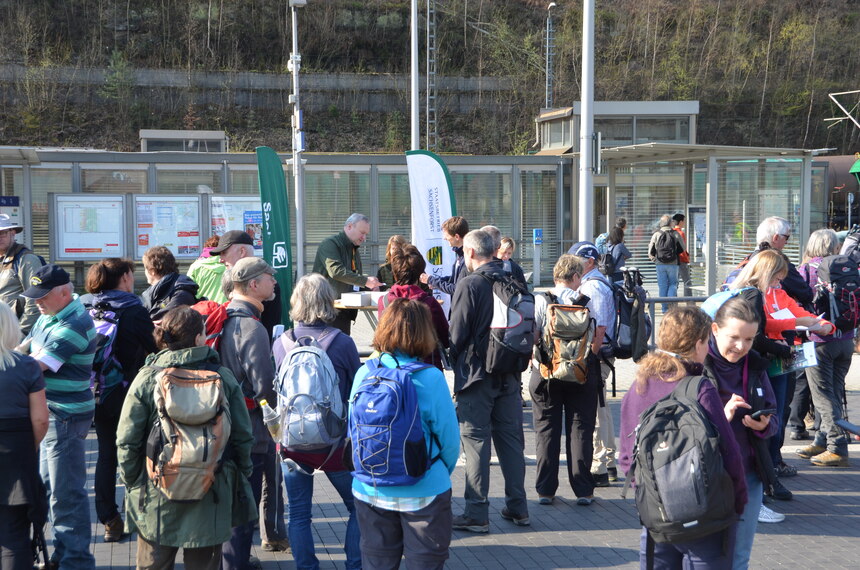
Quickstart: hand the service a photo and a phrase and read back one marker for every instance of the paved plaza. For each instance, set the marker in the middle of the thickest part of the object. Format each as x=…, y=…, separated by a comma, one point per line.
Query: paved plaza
x=821, y=530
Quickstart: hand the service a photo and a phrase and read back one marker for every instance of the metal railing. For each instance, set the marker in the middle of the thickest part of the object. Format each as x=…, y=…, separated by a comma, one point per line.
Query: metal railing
x=652, y=311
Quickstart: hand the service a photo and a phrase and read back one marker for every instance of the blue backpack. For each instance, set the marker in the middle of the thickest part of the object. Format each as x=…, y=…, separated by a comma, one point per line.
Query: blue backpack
x=386, y=444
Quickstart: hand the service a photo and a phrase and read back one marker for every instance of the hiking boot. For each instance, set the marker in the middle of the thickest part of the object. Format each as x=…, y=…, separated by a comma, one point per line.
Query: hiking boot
x=809, y=451
x=799, y=435
x=765, y=515
x=779, y=492
x=462, y=522
x=783, y=470
x=601, y=479
x=613, y=474
x=114, y=529
x=279, y=545
x=585, y=501
x=546, y=499
x=519, y=520
x=830, y=459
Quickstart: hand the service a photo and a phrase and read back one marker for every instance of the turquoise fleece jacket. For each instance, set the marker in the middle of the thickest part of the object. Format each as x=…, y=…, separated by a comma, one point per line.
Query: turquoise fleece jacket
x=438, y=417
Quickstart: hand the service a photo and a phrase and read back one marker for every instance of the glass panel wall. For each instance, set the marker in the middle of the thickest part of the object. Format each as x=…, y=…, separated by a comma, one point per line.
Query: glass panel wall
x=539, y=210
x=188, y=181
x=484, y=198
x=395, y=209
x=110, y=181
x=44, y=181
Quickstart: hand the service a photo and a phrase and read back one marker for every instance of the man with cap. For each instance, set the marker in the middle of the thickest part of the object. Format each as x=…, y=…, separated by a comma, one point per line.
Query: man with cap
x=339, y=262
x=595, y=433
x=63, y=342
x=235, y=245
x=245, y=349
x=17, y=265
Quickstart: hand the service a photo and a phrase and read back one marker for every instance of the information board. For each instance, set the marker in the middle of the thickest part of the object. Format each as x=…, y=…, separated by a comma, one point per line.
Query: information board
x=238, y=213
x=171, y=221
x=89, y=227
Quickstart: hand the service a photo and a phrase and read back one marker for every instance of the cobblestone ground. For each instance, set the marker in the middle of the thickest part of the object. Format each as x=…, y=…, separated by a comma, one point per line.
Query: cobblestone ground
x=821, y=530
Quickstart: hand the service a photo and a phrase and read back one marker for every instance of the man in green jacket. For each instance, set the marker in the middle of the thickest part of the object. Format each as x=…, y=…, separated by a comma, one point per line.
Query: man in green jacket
x=339, y=262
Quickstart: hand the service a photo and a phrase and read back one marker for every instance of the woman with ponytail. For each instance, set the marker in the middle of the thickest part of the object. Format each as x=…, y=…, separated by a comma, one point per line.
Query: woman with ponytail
x=111, y=298
x=682, y=342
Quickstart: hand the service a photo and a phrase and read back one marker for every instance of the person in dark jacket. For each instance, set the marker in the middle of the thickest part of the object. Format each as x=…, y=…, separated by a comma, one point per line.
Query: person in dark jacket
x=489, y=406
x=741, y=378
x=454, y=229
x=682, y=345
x=774, y=233
x=339, y=262
x=110, y=284
x=167, y=288
x=312, y=309
x=408, y=264
x=23, y=425
x=246, y=350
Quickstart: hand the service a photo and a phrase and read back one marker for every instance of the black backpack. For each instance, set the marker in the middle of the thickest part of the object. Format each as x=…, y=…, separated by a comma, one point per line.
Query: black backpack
x=606, y=263
x=513, y=325
x=851, y=245
x=632, y=322
x=683, y=491
x=667, y=247
x=837, y=293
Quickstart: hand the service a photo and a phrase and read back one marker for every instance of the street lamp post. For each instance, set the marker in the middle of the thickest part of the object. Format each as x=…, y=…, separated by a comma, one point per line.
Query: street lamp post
x=298, y=140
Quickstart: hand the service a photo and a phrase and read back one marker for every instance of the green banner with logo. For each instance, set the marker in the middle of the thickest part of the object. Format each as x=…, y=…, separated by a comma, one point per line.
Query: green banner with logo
x=276, y=223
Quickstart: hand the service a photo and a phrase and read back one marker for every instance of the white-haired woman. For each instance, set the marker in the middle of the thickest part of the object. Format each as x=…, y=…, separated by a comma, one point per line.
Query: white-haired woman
x=23, y=425
x=312, y=310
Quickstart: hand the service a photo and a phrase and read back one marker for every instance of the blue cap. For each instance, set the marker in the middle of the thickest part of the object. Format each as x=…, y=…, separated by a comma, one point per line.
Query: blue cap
x=44, y=280
x=584, y=249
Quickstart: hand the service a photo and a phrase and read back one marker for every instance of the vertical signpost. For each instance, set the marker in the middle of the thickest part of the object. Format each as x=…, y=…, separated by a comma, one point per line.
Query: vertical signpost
x=537, y=238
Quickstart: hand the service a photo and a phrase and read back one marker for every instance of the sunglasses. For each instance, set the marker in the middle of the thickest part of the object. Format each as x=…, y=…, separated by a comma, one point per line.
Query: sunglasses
x=785, y=236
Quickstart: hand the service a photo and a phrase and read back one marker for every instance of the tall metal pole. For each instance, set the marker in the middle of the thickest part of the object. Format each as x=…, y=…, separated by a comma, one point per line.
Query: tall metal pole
x=416, y=131
x=298, y=142
x=550, y=52
x=586, y=128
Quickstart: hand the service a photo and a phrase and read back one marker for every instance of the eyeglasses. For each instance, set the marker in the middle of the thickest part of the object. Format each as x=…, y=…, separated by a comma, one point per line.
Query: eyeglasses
x=785, y=236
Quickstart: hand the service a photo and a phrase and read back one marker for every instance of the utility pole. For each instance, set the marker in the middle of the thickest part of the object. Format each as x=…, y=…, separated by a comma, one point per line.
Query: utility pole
x=298, y=140
x=586, y=127
x=550, y=54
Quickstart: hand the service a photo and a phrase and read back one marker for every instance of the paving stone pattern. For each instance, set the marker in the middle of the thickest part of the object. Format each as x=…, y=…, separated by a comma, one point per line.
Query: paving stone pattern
x=821, y=530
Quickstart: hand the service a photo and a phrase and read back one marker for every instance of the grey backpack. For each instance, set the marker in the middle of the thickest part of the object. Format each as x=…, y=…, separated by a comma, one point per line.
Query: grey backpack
x=313, y=415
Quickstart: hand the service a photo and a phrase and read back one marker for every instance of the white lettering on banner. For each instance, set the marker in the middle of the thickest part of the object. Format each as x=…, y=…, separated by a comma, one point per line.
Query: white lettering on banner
x=267, y=209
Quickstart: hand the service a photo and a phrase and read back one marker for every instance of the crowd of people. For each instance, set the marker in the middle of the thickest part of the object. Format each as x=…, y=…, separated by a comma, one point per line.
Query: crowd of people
x=150, y=370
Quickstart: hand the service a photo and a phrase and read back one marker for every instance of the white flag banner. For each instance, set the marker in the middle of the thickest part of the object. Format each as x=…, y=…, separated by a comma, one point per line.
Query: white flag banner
x=432, y=203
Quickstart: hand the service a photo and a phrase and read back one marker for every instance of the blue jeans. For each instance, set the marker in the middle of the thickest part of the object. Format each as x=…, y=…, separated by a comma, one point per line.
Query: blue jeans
x=300, y=492
x=780, y=387
x=64, y=471
x=667, y=281
x=748, y=523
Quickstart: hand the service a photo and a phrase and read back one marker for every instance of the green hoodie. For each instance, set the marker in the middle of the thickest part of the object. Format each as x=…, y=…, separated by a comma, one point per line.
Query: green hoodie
x=207, y=273
x=228, y=503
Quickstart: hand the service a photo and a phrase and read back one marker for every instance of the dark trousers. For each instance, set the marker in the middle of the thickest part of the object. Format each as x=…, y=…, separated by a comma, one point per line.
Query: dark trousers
x=783, y=389
x=343, y=321
x=713, y=552
x=801, y=404
x=151, y=556
x=570, y=407
x=106, y=420
x=272, y=502
x=15, y=551
x=423, y=536
x=237, y=551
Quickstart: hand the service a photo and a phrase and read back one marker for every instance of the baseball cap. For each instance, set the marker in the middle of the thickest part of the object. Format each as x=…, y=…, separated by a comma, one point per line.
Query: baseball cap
x=584, y=249
x=230, y=238
x=248, y=268
x=6, y=224
x=44, y=280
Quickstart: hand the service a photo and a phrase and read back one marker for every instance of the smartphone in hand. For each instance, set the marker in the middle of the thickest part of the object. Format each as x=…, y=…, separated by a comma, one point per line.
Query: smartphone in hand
x=766, y=412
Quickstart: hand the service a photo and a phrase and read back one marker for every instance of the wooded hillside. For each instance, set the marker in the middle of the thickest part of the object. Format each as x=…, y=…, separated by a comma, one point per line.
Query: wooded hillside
x=761, y=69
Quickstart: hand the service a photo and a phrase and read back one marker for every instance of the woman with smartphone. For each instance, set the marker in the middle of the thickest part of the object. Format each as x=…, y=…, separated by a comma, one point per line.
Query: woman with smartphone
x=744, y=388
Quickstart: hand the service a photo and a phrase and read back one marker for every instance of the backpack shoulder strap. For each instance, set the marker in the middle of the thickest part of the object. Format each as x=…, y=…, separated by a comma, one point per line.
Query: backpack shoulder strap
x=327, y=337
x=688, y=387
x=550, y=298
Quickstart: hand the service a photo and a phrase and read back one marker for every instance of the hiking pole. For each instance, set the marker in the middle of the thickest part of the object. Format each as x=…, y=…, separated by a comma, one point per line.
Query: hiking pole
x=843, y=422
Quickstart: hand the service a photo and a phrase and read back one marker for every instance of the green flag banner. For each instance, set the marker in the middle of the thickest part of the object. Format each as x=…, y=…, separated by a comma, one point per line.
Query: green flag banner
x=276, y=223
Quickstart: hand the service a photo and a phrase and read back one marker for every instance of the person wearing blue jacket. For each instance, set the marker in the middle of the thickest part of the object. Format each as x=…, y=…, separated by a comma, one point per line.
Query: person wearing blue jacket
x=411, y=520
